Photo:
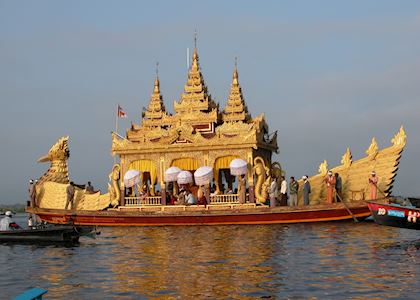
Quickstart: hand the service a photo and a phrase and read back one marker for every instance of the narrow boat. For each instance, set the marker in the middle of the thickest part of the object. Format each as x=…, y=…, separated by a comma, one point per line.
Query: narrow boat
x=397, y=213
x=49, y=234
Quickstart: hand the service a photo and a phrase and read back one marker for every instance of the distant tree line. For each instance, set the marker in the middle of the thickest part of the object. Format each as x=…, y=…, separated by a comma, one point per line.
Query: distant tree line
x=17, y=208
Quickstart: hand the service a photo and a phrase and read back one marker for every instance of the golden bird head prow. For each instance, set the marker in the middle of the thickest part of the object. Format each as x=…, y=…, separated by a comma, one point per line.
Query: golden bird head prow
x=59, y=151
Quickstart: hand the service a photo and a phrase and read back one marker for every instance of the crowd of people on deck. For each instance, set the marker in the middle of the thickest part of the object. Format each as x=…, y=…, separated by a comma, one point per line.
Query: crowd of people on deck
x=285, y=194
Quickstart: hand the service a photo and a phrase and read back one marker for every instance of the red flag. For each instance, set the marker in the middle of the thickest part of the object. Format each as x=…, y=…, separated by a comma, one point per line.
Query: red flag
x=121, y=113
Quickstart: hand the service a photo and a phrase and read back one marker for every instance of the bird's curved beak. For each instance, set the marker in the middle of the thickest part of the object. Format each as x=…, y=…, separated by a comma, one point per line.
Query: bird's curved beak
x=44, y=158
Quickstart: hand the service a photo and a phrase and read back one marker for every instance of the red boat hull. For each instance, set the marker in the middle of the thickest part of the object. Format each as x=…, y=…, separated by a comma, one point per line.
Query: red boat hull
x=258, y=215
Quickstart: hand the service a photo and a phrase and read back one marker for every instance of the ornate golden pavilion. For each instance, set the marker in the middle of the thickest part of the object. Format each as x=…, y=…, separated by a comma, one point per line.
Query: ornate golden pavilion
x=197, y=134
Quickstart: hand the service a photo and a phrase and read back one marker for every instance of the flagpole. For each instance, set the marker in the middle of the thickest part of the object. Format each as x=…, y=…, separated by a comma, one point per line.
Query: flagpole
x=116, y=130
x=116, y=120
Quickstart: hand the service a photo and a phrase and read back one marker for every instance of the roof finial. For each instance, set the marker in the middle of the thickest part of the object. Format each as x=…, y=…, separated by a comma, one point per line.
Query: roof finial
x=195, y=38
x=156, y=88
x=235, y=72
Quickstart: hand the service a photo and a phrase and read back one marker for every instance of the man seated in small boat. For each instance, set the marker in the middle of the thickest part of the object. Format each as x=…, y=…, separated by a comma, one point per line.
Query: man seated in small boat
x=7, y=223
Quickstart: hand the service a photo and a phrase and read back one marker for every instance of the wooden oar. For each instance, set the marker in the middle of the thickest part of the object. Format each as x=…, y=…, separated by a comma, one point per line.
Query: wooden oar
x=347, y=208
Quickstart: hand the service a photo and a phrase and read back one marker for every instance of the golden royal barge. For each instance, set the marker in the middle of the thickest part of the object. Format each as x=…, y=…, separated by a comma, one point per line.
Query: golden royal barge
x=200, y=134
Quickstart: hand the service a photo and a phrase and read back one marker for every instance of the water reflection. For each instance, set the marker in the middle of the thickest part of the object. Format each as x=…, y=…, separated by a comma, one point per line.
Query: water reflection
x=329, y=260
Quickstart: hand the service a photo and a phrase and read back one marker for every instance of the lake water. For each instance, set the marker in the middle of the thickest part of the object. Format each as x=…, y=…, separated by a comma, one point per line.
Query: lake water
x=319, y=261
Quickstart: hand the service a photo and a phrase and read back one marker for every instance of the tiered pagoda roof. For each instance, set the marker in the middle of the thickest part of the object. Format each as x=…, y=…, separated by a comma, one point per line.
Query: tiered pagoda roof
x=156, y=111
x=197, y=120
x=236, y=109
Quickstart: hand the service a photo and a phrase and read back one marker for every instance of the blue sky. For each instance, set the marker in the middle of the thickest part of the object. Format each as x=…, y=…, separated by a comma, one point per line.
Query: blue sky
x=327, y=74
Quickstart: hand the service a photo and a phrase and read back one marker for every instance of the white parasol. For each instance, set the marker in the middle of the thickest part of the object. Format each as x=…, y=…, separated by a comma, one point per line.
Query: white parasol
x=171, y=174
x=131, y=178
x=203, y=175
x=184, y=177
x=238, y=167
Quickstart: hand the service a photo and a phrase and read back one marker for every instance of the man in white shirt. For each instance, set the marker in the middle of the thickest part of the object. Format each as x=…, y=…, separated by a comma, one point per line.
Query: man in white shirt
x=283, y=192
x=7, y=223
x=190, y=199
x=273, y=191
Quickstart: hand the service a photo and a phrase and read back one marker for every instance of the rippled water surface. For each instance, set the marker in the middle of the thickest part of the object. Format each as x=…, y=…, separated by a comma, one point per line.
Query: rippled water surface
x=319, y=261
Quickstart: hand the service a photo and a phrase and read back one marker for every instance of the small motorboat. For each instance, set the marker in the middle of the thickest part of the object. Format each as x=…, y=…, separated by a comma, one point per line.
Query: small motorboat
x=44, y=234
x=398, y=212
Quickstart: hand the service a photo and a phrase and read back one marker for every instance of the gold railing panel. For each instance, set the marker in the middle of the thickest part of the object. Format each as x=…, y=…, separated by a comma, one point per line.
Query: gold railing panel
x=137, y=201
x=226, y=198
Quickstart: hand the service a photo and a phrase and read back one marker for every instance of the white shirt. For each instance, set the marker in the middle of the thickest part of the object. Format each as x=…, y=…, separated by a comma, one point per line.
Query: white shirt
x=5, y=222
x=273, y=189
x=190, y=199
x=283, y=188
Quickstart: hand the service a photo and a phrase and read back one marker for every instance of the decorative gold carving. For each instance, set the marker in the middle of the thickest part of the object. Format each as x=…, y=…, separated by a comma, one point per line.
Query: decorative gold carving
x=114, y=187
x=355, y=177
x=323, y=168
x=346, y=160
x=51, y=187
x=57, y=155
x=373, y=148
x=262, y=173
x=400, y=139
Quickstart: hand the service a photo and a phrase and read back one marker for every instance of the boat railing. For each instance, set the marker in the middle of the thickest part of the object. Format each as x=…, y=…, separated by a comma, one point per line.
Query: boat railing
x=225, y=198
x=149, y=200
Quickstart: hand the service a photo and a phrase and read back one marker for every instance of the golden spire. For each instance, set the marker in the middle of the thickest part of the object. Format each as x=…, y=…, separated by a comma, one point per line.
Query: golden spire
x=323, y=168
x=195, y=97
x=400, y=139
x=373, y=148
x=346, y=160
x=236, y=109
x=156, y=108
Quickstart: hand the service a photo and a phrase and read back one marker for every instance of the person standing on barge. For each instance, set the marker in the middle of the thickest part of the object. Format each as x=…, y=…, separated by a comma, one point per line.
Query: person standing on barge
x=273, y=191
x=330, y=182
x=283, y=192
x=373, y=183
x=293, y=190
x=70, y=195
x=306, y=190
x=32, y=193
x=338, y=187
x=242, y=189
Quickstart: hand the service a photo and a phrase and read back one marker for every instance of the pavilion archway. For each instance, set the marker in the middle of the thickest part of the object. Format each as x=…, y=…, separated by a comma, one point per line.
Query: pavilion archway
x=148, y=171
x=222, y=164
x=186, y=163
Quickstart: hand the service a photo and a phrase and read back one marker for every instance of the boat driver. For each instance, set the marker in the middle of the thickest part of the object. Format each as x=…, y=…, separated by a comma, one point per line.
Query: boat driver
x=7, y=222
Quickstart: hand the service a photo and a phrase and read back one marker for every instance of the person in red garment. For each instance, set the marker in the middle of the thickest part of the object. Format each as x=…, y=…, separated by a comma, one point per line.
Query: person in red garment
x=330, y=182
x=373, y=183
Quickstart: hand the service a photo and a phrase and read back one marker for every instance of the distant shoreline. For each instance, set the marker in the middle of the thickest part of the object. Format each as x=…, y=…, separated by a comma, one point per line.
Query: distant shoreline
x=17, y=208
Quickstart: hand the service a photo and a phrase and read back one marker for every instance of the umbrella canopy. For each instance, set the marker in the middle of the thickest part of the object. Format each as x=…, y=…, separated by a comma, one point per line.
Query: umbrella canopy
x=131, y=178
x=171, y=174
x=238, y=167
x=184, y=177
x=203, y=175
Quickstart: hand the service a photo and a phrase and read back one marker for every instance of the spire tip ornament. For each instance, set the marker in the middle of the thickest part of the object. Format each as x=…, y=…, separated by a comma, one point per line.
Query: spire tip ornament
x=373, y=148
x=400, y=139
